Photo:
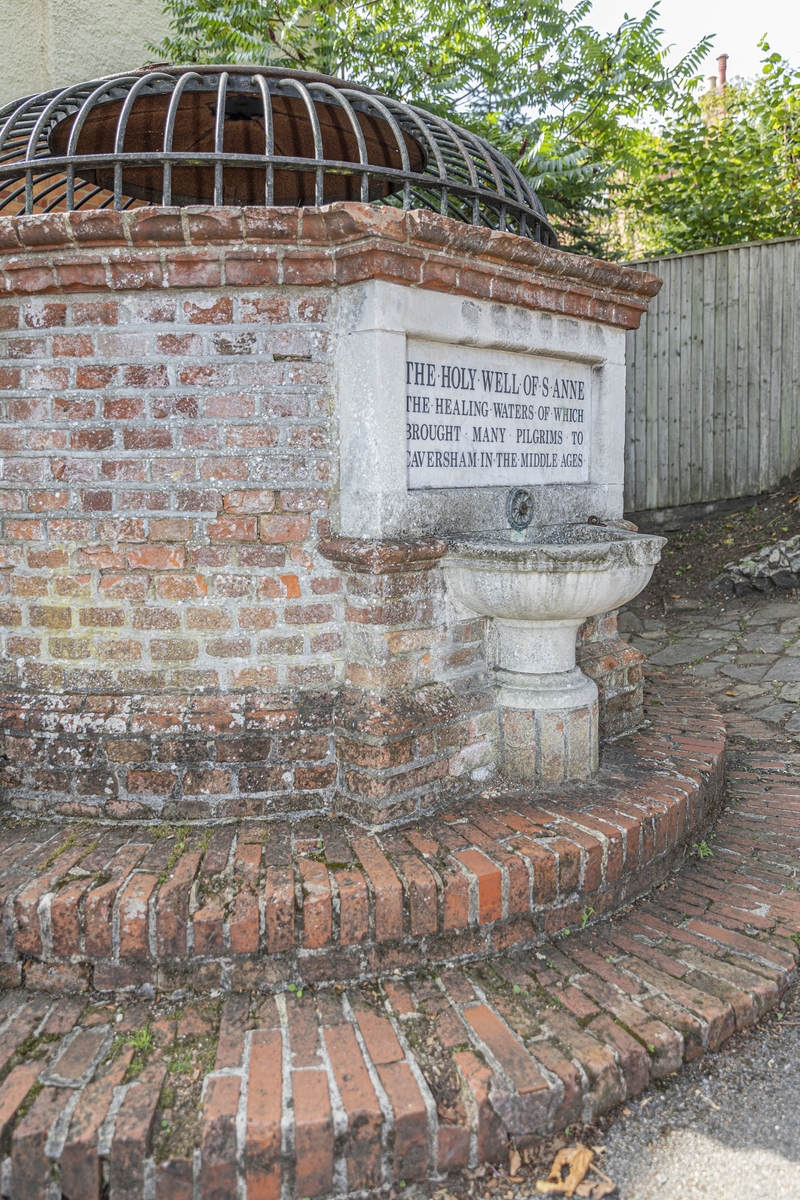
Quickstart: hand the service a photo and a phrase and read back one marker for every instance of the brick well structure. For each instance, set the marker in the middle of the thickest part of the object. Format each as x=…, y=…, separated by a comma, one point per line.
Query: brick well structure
x=185, y=632
x=230, y=639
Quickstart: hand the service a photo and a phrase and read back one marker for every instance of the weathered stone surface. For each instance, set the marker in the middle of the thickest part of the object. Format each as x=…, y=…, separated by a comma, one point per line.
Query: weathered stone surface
x=686, y=651
x=773, y=568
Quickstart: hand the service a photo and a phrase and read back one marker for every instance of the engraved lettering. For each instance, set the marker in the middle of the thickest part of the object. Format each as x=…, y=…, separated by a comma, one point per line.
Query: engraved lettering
x=485, y=418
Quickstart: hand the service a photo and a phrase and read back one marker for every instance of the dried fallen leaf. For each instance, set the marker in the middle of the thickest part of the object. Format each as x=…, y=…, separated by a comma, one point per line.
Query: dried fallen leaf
x=605, y=1178
x=595, y=1189
x=577, y=1159
x=602, y=1175
x=514, y=1162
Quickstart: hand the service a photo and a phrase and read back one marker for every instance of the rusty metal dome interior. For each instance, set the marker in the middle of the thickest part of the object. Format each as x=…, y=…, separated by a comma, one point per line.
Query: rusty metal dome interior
x=250, y=136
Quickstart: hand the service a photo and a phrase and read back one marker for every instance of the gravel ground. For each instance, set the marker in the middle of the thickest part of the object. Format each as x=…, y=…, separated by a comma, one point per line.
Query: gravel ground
x=726, y=1128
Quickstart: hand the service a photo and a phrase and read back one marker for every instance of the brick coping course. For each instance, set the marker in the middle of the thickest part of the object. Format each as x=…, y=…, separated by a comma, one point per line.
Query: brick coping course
x=261, y=903
x=416, y=1074
x=338, y=244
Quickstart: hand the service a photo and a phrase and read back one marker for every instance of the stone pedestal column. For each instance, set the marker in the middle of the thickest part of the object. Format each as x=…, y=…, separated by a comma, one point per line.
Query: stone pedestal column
x=548, y=707
x=535, y=592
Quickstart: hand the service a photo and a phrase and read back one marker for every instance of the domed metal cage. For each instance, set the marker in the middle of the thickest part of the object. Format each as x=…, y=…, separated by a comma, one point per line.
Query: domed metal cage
x=251, y=136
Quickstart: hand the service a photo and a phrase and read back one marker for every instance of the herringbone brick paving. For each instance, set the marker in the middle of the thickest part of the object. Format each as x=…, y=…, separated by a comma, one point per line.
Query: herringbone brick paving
x=404, y=1075
x=316, y=1091
x=259, y=905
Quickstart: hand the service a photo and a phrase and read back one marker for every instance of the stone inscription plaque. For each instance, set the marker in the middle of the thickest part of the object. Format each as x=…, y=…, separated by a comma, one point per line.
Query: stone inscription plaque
x=487, y=418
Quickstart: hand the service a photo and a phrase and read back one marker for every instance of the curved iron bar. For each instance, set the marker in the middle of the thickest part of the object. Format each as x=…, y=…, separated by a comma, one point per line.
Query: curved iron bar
x=319, y=154
x=122, y=125
x=24, y=108
x=415, y=117
x=219, y=136
x=461, y=174
x=75, y=132
x=443, y=177
x=397, y=133
x=490, y=157
x=169, y=132
x=269, y=136
x=363, y=159
x=48, y=110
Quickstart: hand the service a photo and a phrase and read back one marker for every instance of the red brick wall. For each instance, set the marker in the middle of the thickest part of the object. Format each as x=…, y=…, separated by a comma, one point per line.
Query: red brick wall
x=165, y=480
x=416, y=719
x=173, y=642
x=165, y=477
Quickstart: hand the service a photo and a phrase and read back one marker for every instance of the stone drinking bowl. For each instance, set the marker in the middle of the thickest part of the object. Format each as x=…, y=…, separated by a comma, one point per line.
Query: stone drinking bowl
x=539, y=585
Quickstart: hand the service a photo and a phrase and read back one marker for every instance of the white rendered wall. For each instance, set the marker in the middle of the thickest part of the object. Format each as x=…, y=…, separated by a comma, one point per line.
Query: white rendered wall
x=52, y=43
x=374, y=320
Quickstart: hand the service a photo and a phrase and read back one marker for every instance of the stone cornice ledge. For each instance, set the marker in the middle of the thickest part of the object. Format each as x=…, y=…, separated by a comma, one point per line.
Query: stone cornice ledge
x=342, y=243
x=367, y=557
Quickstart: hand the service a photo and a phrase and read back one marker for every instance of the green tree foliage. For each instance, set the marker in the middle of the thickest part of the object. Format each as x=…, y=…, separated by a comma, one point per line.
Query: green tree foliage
x=560, y=99
x=725, y=169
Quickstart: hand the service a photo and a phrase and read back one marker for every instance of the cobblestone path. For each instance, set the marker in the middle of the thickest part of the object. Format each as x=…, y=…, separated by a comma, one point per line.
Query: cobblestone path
x=745, y=654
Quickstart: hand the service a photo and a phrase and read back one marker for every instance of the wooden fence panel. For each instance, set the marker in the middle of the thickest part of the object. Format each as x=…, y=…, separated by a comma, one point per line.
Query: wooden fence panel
x=713, y=377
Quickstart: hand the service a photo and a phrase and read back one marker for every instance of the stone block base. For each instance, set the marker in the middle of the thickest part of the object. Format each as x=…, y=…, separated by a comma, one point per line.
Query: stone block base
x=379, y=756
x=542, y=748
x=194, y=758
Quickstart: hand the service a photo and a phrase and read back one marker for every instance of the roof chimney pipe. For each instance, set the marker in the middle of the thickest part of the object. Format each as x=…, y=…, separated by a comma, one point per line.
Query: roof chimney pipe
x=722, y=69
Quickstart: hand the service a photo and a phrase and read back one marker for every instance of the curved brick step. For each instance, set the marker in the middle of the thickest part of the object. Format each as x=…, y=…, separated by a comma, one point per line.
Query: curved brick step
x=256, y=905
x=408, y=1077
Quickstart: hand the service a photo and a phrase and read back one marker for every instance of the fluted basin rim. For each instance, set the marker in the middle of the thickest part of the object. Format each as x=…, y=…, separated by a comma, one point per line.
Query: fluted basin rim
x=563, y=547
